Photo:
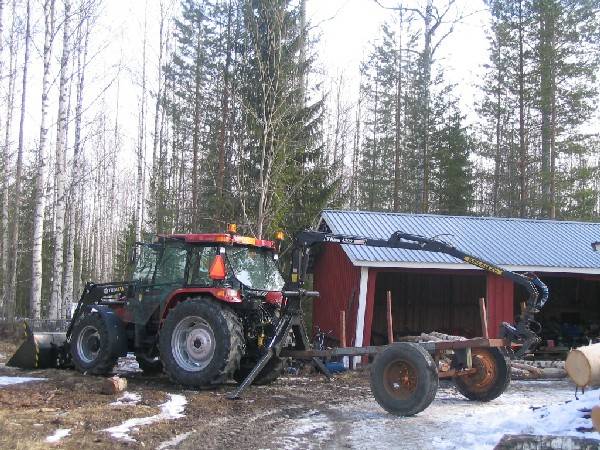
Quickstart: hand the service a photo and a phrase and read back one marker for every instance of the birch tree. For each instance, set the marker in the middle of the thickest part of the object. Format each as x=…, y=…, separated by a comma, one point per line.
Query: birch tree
x=11, y=279
x=40, y=187
x=59, y=175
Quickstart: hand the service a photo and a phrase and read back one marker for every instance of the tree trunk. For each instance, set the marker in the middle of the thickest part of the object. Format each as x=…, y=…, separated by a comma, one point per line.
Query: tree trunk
x=547, y=101
x=156, y=138
x=522, y=145
x=427, y=56
x=196, y=137
x=224, y=113
x=75, y=186
x=583, y=365
x=4, y=163
x=398, y=122
x=61, y=138
x=11, y=285
x=35, y=299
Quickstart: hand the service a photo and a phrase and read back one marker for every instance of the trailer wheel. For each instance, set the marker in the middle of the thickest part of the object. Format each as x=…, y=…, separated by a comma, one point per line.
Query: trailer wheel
x=149, y=365
x=404, y=379
x=267, y=375
x=201, y=343
x=91, y=349
x=491, y=378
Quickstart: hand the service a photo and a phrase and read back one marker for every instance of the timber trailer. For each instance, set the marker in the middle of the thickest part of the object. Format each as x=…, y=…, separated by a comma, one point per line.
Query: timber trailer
x=205, y=308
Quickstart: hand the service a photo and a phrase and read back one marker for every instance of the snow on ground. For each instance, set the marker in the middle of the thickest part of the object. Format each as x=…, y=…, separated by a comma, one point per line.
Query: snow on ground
x=175, y=441
x=58, y=435
x=172, y=409
x=452, y=422
x=310, y=430
x=7, y=381
x=560, y=419
x=128, y=398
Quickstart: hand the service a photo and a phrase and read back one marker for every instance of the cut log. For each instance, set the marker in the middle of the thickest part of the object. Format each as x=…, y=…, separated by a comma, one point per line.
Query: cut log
x=596, y=417
x=114, y=385
x=583, y=365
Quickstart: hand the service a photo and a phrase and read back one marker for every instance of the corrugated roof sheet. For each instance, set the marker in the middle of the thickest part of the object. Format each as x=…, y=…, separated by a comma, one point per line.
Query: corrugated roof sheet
x=506, y=242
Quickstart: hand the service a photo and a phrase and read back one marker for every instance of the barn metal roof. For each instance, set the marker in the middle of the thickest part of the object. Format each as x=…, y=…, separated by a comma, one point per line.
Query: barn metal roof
x=515, y=244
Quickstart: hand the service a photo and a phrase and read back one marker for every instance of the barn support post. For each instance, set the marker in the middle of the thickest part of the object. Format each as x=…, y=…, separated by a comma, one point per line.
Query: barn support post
x=362, y=306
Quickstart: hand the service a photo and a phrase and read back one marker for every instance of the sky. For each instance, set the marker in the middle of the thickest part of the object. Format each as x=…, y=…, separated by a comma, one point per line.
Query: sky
x=345, y=31
x=348, y=28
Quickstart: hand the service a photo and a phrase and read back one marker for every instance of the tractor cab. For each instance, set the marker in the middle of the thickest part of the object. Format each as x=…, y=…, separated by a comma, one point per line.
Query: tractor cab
x=238, y=270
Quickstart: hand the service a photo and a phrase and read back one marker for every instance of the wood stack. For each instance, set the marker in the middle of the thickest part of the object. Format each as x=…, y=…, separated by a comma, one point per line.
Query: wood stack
x=429, y=337
x=533, y=370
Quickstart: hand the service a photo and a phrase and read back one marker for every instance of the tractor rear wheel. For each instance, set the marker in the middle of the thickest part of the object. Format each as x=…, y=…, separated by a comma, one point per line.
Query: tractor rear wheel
x=267, y=375
x=201, y=343
x=91, y=349
x=404, y=379
x=491, y=377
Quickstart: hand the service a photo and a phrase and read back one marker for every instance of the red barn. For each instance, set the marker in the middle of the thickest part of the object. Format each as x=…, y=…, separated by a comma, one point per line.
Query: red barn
x=436, y=292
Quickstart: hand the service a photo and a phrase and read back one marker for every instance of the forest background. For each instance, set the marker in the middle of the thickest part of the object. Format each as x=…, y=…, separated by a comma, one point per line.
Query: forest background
x=121, y=120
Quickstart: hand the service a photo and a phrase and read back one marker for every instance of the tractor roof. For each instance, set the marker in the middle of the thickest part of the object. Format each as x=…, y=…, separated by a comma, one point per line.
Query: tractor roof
x=221, y=238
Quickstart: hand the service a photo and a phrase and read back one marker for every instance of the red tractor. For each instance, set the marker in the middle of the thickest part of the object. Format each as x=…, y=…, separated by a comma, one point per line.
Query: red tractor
x=209, y=307
x=201, y=307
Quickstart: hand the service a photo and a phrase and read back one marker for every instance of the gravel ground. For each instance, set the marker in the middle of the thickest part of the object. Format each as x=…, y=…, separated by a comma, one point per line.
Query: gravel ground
x=66, y=410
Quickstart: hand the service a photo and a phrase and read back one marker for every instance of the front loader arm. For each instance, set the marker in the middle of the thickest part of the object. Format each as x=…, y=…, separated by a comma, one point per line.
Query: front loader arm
x=521, y=332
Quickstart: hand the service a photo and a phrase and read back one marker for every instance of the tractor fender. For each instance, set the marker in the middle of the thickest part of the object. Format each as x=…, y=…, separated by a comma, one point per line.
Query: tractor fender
x=179, y=295
x=116, y=327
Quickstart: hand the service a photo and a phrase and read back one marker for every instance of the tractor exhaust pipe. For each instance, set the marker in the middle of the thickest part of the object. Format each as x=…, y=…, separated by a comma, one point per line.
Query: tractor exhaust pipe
x=40, y=351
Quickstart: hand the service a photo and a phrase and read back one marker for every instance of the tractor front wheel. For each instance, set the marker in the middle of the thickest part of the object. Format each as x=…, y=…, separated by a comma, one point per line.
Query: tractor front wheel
x=91, y=348
x=404, y=379
x=491, y=376
x=201, y=343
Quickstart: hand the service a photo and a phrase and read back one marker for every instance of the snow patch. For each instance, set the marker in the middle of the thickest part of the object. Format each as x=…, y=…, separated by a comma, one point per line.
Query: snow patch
x=7, y=381
x=483, y=431
x=311, y=430
x=58, y=435
x=175, y=441
x=172, y=409
x=128, y=398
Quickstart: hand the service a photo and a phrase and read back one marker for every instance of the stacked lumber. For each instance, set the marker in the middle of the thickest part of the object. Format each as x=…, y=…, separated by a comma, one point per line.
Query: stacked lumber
x=432, y=336
x=536, y=370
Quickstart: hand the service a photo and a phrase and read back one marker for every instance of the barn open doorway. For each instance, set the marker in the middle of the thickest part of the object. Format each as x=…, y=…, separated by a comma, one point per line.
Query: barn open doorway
x=422, y=301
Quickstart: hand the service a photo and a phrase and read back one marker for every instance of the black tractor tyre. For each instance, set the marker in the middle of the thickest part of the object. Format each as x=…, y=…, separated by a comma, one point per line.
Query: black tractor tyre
x=491, y=378
x=148, y=365
x=201, y=343
x=267, y=375
x=91, y=347
x=404, y=379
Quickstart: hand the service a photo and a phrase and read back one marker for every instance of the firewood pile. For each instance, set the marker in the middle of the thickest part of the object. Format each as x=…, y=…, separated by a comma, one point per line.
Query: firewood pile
x=429, y=337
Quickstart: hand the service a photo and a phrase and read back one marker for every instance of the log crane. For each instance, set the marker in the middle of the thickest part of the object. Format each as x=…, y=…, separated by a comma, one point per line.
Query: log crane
x=524, y=332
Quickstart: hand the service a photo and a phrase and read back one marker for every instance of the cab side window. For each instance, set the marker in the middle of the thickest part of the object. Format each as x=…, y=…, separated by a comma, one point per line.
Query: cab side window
x=200, y=262
x=145, y=264
x=171, y=268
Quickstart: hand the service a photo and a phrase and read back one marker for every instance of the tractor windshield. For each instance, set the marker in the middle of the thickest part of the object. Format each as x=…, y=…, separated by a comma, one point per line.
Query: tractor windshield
x=255, y=268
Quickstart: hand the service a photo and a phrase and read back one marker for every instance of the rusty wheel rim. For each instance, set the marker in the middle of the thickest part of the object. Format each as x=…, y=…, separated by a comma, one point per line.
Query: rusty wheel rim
x=485, y=371
x=400, y=379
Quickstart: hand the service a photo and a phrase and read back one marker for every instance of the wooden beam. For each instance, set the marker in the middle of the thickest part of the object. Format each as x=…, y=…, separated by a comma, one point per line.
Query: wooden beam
x=483, y=315
x=390, y=325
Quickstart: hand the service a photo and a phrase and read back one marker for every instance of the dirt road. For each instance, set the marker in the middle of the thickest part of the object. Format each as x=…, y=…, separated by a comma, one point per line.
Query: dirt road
x=66, y=410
